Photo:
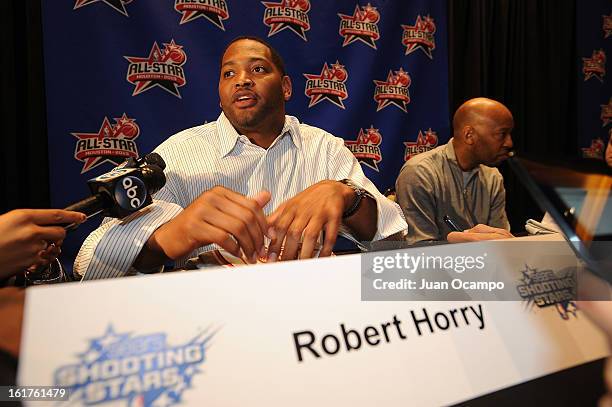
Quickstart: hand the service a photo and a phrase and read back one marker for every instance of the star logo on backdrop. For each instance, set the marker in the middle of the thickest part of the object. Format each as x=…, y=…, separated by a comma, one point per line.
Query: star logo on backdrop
x=118, y=5
x=113, y=143
x=214, y=11
x=393, y=91
x=366, y=148
x=424, y=142
x=328, y=85
x=596, y=150
x=361, y=26
x=607, y=25
x=595, y=66
x=288, y=14
x=162, y=68
x=606, y=113
x=420, y=36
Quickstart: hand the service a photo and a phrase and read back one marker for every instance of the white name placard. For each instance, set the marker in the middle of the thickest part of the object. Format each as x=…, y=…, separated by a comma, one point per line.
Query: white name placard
x=285, y=334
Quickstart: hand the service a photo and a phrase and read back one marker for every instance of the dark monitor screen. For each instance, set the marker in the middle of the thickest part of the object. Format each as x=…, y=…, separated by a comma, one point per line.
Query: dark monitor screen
x=579, y=201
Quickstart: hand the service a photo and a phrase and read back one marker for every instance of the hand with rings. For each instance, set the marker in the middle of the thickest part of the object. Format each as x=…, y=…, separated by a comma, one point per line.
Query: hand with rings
x=31, y=237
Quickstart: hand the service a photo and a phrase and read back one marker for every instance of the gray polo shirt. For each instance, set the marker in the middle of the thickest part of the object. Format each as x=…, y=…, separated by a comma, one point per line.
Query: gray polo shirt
x=430, y=185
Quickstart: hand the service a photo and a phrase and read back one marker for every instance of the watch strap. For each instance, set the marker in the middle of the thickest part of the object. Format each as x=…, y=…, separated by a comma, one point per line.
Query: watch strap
x=360, y=193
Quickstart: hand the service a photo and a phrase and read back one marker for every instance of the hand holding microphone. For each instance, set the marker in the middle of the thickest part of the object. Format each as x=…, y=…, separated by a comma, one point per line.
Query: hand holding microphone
x=25, y=235
x=30, y=238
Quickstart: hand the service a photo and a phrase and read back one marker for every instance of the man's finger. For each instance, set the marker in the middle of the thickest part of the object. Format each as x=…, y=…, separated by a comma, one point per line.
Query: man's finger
x=221, y=237
x=273, y=217
x=249, y=204
x=230, y=245
x=50, y=233
x=310, y=239
x=480, y=228
x=51, y=252
x=262, y=198
x=240, y=230
x=280, y=226
x=331, y=234
x=55, y=216
x=293, y=238
x=238, y=216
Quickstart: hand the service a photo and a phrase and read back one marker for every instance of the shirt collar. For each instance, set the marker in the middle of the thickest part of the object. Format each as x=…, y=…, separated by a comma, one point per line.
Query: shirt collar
x=228, y=136
x=450, y=151
x=452, y=156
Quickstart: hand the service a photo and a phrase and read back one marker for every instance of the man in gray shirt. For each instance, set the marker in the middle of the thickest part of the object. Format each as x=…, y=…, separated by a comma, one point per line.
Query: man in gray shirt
x=458, y=179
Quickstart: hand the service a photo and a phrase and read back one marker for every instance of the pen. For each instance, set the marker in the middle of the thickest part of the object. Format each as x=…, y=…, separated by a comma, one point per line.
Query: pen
x=451, y=224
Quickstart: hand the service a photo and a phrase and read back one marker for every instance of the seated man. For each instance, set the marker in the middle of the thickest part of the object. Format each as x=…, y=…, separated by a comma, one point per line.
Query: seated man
x=224, y=177
x=456, y=179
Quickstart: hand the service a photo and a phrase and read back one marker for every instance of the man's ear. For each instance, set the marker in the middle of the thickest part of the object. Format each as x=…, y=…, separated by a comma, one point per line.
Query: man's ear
x=468, y=134
x=287, y=88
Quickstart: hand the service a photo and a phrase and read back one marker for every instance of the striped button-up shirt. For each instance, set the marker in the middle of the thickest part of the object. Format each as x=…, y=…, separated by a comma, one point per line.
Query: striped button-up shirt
x=202, y=157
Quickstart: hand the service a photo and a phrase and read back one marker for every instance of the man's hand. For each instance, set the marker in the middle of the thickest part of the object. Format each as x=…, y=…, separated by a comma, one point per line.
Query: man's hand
x=219, y=216
x=303, y=217
x=478, y=233
x=31, y=237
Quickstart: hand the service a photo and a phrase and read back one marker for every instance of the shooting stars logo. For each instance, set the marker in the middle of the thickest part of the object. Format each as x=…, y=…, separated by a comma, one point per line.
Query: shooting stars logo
x=547, y=288
x=138, y=370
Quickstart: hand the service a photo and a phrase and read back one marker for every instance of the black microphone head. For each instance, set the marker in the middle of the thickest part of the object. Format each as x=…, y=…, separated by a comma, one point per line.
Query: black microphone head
x=155, y=159
x=153, y=177
x=128, y=163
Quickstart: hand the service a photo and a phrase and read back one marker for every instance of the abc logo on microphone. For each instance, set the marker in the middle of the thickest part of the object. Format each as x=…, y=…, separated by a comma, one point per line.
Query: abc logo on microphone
x=130, y=193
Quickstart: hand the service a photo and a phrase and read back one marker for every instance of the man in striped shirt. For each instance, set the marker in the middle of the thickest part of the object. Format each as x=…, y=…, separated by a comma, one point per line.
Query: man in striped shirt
x=253, y=175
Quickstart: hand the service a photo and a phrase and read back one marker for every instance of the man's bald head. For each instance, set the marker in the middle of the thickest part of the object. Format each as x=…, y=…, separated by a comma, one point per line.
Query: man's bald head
x=482, y=131
x=478, y=110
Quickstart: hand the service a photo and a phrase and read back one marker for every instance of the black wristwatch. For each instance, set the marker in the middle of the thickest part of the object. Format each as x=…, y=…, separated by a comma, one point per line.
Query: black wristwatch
x=360, y=193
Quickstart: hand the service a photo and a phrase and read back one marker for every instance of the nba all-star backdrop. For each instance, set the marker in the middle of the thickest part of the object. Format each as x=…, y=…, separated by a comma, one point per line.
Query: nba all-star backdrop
x=123, y=75
x=594, y=89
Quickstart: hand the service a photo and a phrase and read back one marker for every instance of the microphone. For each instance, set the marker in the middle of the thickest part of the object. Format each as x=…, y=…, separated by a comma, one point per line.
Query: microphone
x=118, y=193
x=123, y=190
x=151, y=158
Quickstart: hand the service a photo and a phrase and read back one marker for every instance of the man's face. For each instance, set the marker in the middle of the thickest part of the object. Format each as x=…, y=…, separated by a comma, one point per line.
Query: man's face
x=494, y=137
x=251, y=88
